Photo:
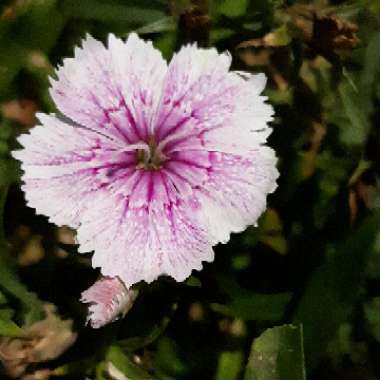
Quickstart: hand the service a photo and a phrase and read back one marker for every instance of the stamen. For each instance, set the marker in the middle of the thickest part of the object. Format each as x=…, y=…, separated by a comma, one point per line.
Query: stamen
x=170, y=138
x=130, y=148
x=151, y=158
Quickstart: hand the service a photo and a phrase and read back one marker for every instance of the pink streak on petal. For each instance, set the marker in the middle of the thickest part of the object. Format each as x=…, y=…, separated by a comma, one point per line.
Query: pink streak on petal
x=99, y=84
x=235, y=194
x=59, y=162
x=139, y=70
x=160, y=240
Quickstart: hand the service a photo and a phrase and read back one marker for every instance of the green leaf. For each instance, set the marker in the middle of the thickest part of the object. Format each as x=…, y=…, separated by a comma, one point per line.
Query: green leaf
x=279, y=37
x=9, y=281
x=260, y=307
x=270, y=231
x=7, y=313
x=371, y=62
x=167, y=358
x=356, y=130
x=277, y=355
x=79, y=367
x=9, y=328
x=220, y=34
x=229, y=365
x=373, y=266
x=4, y=148
x=134, y=343
x=34, y=27
x=111, y=12
x=341, y=345
x=233, y=8
x=166, y=24
x=39, y=24
x=3, y=300
x=6, y=129
x=252, y=306
x=12, y=59
x=194, y=282
x=3, y=198
x=125, y=365
x=372, y=313
x=9, y=172
x=166, y=44
x=333, y=289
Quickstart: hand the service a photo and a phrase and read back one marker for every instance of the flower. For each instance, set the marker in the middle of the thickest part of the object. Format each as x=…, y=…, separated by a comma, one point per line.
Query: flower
x=108, y=299
x=152, y=163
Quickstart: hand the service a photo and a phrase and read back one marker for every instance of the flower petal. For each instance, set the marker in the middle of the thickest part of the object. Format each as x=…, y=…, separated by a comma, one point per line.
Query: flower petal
x=235, y=195
x=247, y=128
x=205, y=106
x=194, y=82
x=114, y=90
x=138, y=244
x=63, y=166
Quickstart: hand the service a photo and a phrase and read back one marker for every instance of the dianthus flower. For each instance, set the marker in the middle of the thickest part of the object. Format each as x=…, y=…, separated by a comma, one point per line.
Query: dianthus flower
x=152, y=163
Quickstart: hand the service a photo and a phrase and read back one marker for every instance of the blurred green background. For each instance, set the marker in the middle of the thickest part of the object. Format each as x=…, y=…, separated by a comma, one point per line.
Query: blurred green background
x=304, y=286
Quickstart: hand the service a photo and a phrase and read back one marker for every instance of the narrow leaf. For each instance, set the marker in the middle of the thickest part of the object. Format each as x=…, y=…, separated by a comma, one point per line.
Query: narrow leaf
x=166, y=24
x=124, y=364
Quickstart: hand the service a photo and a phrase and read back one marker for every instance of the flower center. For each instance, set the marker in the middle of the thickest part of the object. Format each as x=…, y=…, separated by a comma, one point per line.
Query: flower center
x=151, y=158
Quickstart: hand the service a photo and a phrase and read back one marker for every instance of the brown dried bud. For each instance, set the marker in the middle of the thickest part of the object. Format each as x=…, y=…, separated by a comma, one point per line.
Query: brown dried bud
x=322, y=30
x=333, y=33
x=195, y=22
x=44, y=340
x=22, y=111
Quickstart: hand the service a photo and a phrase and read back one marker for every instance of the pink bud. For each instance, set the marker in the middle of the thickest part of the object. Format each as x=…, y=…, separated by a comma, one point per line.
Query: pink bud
x=109, y=299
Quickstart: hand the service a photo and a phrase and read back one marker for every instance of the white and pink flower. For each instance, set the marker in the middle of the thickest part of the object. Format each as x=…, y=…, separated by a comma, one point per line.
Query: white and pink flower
x=152, y=163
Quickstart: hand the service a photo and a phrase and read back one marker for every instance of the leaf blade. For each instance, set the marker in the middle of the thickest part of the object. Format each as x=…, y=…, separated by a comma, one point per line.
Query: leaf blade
x=277, y=355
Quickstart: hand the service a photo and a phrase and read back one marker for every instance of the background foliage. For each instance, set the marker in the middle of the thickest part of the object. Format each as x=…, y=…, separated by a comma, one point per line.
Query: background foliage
x=304, y=286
